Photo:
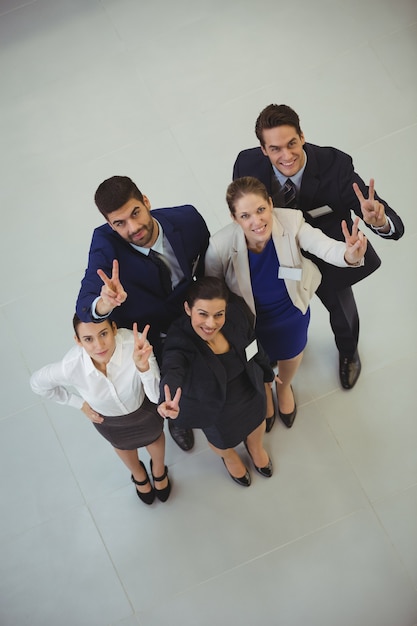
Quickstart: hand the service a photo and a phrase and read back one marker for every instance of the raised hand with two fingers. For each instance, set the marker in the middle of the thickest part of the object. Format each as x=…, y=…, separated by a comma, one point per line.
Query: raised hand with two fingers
x=142, y=349
x=170, y=407
x=356, y=243
x=112, y=293
x=373, y=211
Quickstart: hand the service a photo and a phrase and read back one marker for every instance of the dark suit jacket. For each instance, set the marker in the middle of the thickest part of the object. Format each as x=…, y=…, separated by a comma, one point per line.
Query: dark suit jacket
x=146, y=303
x=327, y=180
x=189, y=363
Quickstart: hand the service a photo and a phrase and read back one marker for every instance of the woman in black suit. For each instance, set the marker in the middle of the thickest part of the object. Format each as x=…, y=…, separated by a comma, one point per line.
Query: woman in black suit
x=216, y=369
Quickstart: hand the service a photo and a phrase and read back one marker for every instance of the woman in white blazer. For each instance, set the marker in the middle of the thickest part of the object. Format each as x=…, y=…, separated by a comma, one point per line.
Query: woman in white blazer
x=259, y=256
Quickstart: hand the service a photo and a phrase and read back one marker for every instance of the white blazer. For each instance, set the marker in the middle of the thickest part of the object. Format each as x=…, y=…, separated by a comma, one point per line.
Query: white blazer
x=227, y=256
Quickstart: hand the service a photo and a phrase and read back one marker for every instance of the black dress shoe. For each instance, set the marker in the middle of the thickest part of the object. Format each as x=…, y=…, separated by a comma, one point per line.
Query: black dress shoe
x=265, y=471
x=288, y=418
x=270, y=421
x=244, y=480
x=161, y=494
x=183, y=437
x=149, y=496
x=349, y=370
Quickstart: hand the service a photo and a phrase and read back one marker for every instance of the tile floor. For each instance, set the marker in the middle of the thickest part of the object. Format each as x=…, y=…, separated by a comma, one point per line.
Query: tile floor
x=168, y=93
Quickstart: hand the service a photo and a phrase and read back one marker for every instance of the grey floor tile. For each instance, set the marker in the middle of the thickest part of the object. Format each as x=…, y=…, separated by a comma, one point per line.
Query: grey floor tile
x=398, y=515
x=168, y=94
x=59, y=572
x=344, y=574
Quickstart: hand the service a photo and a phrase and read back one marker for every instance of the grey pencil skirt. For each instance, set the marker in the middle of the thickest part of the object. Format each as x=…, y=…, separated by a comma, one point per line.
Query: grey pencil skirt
x=134, y=430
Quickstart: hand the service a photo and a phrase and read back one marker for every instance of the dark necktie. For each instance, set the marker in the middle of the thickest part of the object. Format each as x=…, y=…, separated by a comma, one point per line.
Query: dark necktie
x=164, y=273
x=290, y=193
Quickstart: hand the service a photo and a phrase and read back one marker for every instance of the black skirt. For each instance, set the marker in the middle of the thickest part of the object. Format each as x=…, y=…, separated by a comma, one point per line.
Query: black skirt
x=243, y=411
x=134, y=430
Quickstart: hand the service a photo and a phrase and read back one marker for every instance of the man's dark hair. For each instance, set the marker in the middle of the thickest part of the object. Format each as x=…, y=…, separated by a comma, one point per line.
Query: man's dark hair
x=114, y=192
x=276, y=115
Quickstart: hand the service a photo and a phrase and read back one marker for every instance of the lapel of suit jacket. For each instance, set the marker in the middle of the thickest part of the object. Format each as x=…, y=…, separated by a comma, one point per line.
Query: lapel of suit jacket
x=145, y=272
x=310, y=181
x=175, y=238
x=240, y=261
x=209, y=357
x=236, y=341
x=284, y=245
x=265, y=173
x=281, y=242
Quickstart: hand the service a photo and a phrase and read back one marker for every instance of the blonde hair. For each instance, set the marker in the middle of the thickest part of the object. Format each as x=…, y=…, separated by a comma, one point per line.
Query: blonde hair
x=242, y=187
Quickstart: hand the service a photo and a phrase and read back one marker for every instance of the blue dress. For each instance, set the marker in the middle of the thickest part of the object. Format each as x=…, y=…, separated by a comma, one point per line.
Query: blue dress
x=280, y=326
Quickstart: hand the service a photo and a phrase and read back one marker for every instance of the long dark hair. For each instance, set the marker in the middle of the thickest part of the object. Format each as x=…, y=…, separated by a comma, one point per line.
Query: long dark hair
x=207, y=288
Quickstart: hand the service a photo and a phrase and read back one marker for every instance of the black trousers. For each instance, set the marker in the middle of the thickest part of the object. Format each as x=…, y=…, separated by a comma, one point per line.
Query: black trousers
x=344, y=317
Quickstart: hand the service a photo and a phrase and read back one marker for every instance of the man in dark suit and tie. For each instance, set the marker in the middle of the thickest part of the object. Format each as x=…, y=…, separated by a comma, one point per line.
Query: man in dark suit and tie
x=322, y=183
x=140, y=265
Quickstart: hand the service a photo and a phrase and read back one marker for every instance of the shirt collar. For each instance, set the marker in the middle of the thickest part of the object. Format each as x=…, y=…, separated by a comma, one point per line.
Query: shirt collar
x=89, y=366
x=296, y=179
x=116, y=358
x=157, y=246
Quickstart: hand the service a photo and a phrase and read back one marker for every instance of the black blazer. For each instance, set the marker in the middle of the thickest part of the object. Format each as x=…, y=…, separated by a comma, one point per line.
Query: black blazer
x=189, y=363
x=327, y=180
x=146, y=303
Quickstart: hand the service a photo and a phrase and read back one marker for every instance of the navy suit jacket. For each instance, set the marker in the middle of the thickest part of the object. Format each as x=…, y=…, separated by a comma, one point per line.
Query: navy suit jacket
x=146, y=301
x=327, y=180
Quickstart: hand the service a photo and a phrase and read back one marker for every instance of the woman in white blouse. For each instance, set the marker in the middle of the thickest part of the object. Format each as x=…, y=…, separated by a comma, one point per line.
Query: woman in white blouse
x=116, y=377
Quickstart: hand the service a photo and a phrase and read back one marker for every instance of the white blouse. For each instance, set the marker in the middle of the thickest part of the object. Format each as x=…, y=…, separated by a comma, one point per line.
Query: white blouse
x=122, y=391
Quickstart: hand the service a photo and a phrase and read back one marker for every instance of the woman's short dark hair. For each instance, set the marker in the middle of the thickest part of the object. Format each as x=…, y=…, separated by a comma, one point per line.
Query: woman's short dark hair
x=114, y=192
x=242, y=187
x=276, y=115
x=207, y=288
x=76, y=322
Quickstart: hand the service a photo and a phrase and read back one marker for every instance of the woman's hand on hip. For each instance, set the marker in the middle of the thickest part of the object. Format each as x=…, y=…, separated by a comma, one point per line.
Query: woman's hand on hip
x=91, y=414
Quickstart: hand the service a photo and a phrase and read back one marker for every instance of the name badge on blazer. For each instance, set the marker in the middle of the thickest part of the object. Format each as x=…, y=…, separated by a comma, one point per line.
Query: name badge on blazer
x=251, y=350
x=320, y=211
x=290, y=273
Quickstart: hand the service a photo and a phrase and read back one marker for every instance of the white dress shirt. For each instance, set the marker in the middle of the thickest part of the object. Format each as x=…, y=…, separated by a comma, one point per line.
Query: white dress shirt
x=122, y=391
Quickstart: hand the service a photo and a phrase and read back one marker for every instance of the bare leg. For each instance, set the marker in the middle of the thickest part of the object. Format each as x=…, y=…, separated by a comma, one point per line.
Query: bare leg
x=131, y=459
x=270, y=409
x=286, y=372
x=232, y=460
x=157, y=453
x=254, y=441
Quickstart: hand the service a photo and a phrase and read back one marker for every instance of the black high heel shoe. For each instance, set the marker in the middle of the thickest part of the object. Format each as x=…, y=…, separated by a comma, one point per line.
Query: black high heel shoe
x=244, y=480
x=149, y=496
x=270, y=421
x=263, y=471
x=288, y=418
x=161, y=494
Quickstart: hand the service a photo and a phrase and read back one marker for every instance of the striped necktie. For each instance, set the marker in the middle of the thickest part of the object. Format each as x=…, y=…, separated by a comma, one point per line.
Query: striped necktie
x=290, y=194
x=164, y=273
